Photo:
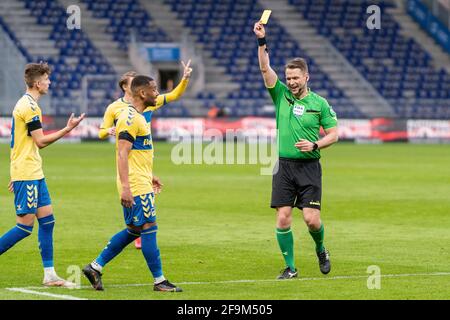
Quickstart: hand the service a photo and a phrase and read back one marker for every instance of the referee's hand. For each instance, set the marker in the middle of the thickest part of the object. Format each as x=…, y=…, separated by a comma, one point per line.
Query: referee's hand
x=259, y=30
x=304, y=145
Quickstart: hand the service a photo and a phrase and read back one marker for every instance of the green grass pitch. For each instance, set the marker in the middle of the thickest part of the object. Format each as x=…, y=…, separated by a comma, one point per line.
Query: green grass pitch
x=384, y=205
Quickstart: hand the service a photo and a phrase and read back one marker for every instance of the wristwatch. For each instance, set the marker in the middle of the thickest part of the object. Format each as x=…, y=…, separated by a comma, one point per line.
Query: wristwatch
x=315, y=146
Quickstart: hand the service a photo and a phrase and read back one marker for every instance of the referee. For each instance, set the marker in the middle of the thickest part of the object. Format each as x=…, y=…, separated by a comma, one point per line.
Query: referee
x=298, y=181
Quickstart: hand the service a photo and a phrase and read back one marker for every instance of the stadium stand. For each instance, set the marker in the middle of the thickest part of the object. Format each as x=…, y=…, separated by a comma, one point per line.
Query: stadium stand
x=234, y=45
x=126, y=17
x=76, y=57
x=12, y=36
x=398, y=67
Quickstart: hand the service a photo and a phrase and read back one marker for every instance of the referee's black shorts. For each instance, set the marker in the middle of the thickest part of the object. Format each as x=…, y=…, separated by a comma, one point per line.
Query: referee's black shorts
x=297, y=183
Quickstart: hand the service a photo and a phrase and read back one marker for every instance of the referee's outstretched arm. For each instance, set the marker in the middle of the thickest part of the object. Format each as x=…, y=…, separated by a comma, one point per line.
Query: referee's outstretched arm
x=269, y=76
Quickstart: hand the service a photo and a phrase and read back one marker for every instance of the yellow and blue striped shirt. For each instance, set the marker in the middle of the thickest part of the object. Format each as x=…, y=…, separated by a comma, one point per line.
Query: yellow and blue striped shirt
x=114, y=109
x=140, y=159
x=26, y=162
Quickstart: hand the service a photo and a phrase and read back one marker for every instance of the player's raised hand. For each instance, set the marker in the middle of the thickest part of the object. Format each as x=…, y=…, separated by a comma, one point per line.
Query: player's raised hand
x=126, y=198
x=74, y=121
x=259, y=30
x=187, y=69
x=157, y=185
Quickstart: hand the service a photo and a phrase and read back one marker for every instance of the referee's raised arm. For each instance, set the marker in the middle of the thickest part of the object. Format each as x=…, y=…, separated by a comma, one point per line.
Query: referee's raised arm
x=269, y=76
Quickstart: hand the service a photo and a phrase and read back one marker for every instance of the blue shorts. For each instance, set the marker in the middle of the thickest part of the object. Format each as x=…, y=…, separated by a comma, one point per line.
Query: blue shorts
x=142, y=212
x=30, y=195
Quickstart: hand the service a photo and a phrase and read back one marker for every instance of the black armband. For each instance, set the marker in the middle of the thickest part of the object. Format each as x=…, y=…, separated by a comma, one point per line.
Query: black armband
x=124, y=135
x=33, y=125
x=262, y=41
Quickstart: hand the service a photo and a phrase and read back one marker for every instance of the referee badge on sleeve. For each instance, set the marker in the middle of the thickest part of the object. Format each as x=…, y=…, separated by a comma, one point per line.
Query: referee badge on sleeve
x=332, y=113
x=298, y=110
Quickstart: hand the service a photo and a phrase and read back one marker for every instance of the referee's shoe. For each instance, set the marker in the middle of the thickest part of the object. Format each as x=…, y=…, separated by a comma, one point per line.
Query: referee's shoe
x=324, y=261
x=288, y=274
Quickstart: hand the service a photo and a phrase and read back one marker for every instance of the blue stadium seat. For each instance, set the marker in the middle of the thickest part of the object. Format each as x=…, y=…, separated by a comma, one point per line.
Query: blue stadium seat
x=126, y=17
x=236, y=43
x=410, y=69
x=73, y=45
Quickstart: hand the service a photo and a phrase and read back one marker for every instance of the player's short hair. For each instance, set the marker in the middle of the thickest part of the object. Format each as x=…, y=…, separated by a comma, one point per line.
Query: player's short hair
x=33, y=71
x=140, y=81
x=125, y=78
x=297, y=63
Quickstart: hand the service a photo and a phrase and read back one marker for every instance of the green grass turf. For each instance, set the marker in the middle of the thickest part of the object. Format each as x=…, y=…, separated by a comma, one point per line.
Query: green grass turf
x=384, y=205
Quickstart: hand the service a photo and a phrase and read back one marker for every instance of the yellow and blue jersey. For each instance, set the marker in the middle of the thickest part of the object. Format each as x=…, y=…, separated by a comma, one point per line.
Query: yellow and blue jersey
x=114, y=109
x=111, y=115
x=26, y=162
x=140, y=159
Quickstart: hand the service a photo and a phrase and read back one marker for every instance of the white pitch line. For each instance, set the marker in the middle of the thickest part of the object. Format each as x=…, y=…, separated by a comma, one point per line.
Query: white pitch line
x=264, y=280
x=58, y=296
x=318, y=278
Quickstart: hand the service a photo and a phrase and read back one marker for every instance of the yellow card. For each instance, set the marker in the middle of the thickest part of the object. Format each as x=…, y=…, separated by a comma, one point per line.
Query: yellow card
x=265, y=16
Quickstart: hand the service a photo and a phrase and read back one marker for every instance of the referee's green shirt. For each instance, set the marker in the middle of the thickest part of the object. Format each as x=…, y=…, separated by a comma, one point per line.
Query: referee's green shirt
x=299, y=119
